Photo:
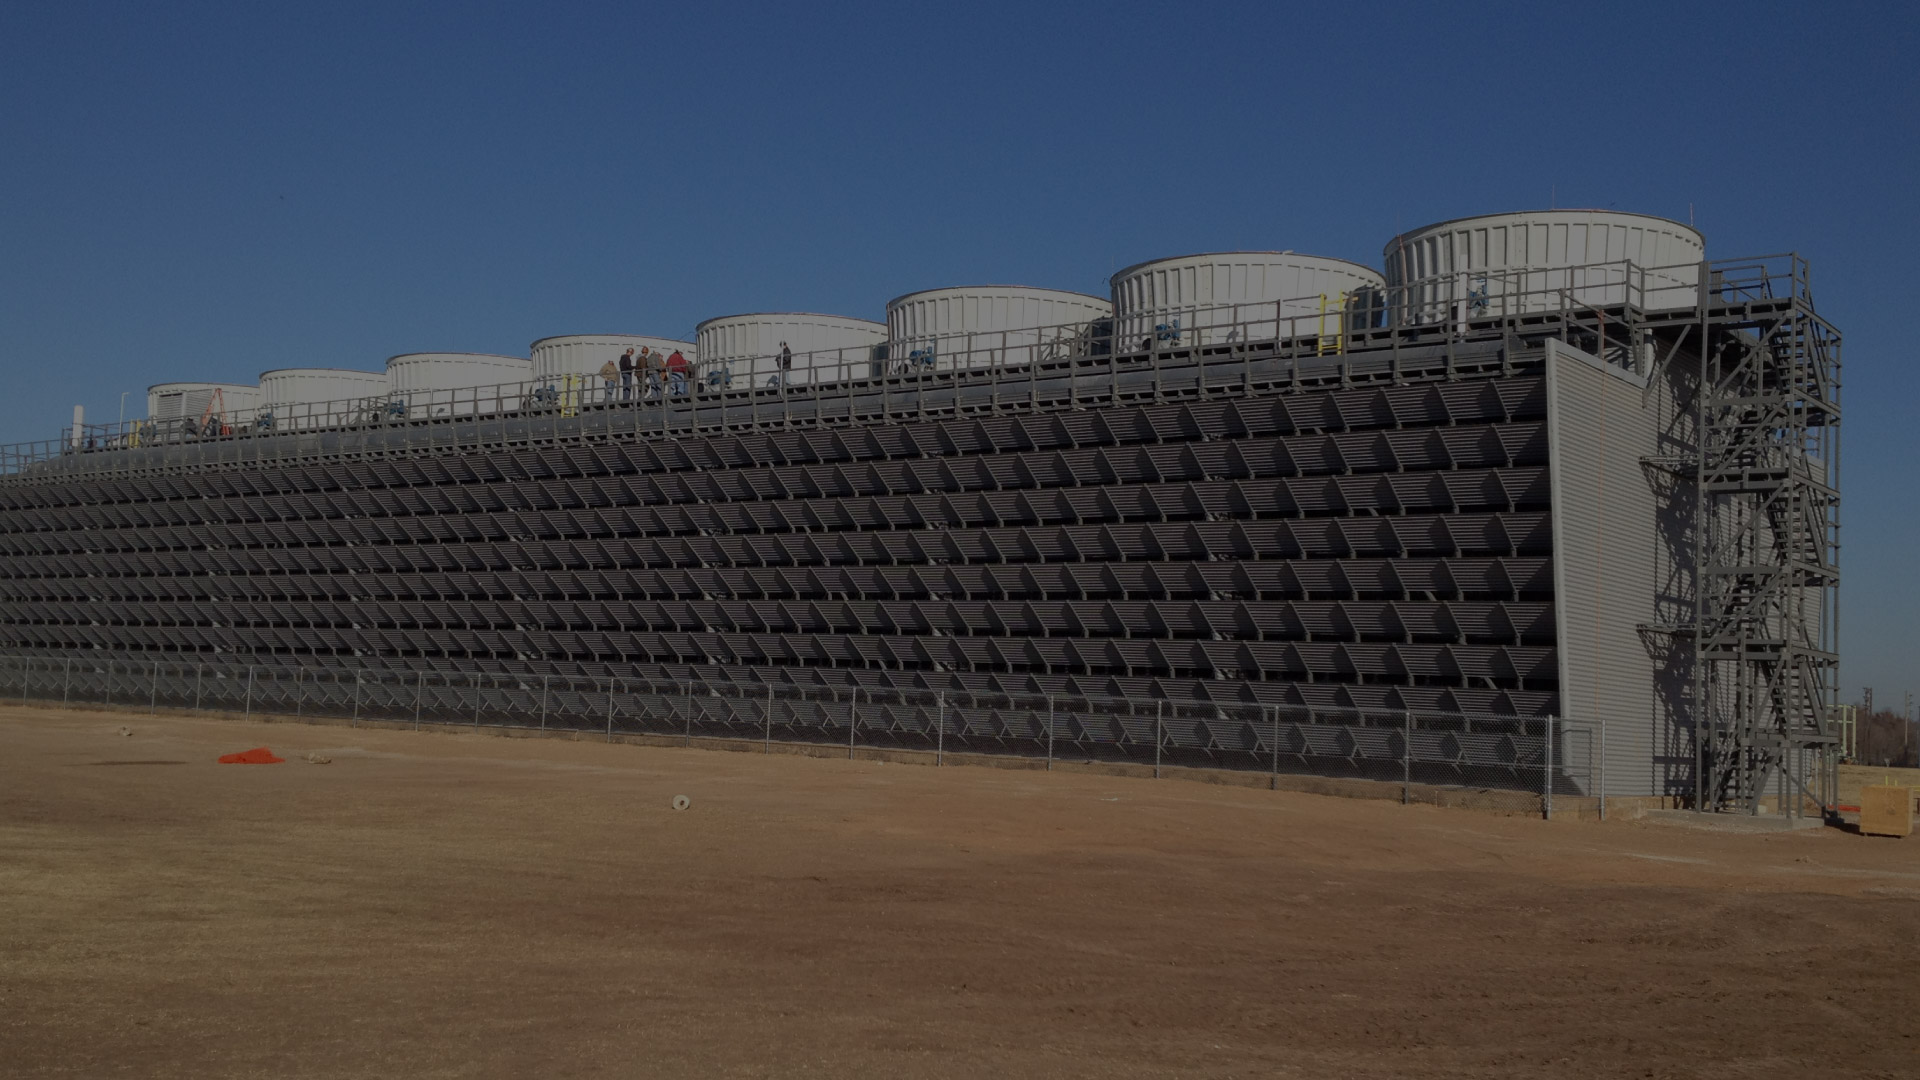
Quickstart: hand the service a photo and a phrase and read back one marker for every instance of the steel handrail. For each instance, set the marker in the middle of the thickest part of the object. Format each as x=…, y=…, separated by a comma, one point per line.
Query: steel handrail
x=1437, y=302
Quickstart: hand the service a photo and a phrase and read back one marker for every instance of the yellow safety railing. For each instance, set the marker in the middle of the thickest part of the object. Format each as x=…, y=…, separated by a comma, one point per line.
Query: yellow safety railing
x=1333, y=344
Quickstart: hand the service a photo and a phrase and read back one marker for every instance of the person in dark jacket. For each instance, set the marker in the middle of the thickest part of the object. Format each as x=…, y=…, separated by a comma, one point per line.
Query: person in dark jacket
x=784, y=365
x=626, y=374
x=654, y=364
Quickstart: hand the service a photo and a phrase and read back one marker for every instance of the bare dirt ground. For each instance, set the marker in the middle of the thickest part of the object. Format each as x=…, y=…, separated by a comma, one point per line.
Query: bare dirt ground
x=463, y=905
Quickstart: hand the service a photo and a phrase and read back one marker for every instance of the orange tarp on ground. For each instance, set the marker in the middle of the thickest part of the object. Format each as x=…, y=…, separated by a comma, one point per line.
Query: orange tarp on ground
x=259, y=755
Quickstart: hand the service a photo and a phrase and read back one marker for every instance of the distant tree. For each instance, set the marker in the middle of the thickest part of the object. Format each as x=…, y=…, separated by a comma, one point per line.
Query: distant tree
x=1887, y=738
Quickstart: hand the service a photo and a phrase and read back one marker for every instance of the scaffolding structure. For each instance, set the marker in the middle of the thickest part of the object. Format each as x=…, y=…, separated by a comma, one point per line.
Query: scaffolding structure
x=1766, y=534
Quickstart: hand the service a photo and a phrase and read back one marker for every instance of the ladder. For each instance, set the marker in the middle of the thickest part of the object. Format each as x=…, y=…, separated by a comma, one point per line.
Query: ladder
x=1335, y=343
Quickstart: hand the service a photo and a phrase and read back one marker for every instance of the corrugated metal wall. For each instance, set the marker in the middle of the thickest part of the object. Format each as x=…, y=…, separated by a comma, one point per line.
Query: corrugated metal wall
x=1600, y=427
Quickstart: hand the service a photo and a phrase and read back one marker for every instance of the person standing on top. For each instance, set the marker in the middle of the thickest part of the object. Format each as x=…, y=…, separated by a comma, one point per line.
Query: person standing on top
x=785, y=361
x=655, y=363
x=626, y=376
x=609, y=373
x=677, y=372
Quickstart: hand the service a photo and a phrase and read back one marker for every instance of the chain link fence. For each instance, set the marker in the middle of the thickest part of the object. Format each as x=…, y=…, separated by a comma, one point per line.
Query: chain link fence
x=1533, y=754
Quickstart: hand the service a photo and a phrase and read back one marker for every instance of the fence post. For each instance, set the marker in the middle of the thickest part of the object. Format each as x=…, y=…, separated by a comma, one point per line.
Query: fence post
x=419, y=691
x=687, y=739
x=1600, y=766
x=198, y=671
x=767, y=745
x=298, y=698
x=248, y=713
x=356, y=696
x=1049, y=732
x=1546, y=797
x=853, y=719
x=474, y=679
x=610, y=708
x=1406, y=763
x=1273, y=781
x=26, y=672
x=153, y=694
x=940, y=731
x=1159, y=709
x=543, y=698
x=66, y=688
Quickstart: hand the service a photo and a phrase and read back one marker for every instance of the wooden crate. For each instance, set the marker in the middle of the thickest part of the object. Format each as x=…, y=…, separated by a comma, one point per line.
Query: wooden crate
x=1886, y=810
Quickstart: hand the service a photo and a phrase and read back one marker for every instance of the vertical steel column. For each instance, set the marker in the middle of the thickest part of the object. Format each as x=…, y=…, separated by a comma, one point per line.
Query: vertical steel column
x=609, y=708
x=298, y=699
x=1704, y=795
x=66, y=688
x=356, y=696
x=1792, y=773
x=687, y=739
x=766, y=744
x=248, y=713
x=473, y=679
x=26, y=671
x=153, y=692
x=198, y=673
x=940, y=732
x=419, y=691
x=853, y=719
x=543, y=699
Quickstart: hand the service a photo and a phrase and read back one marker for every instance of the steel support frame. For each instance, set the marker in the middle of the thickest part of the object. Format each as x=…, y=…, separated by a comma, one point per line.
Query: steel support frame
x=1766, y=541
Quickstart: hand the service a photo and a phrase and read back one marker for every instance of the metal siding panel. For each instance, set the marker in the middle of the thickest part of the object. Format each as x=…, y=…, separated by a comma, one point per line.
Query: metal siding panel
x=1605, y=544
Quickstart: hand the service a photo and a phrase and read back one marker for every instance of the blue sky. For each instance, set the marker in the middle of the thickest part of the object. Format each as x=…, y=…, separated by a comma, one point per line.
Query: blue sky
x=203, y=190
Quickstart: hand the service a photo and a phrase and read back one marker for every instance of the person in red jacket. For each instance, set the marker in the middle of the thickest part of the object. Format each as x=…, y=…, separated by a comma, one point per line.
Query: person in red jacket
x=677, y=372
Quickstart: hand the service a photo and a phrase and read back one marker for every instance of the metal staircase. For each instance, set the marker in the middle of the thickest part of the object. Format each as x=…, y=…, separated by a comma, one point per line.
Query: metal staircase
x=1766, y=538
